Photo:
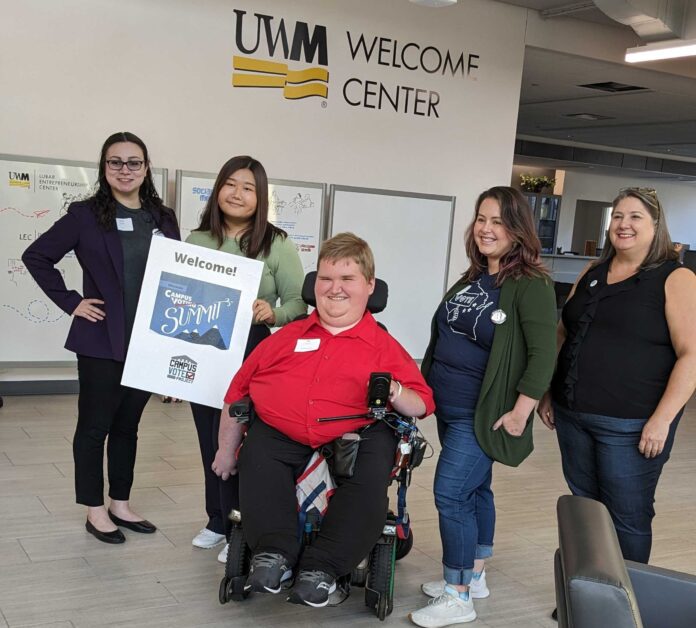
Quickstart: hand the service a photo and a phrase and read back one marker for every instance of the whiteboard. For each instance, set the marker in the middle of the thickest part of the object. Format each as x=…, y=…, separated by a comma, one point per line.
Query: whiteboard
x=34, y=193
x=410, y=237
x=296, y=207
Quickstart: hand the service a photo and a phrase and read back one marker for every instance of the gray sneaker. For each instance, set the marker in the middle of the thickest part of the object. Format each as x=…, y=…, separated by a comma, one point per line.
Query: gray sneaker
x=267, y=572
x=312, y=588
x=477, y=588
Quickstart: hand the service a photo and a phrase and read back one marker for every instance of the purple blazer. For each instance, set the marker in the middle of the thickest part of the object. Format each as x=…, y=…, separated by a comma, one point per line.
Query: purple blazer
x=101, y=257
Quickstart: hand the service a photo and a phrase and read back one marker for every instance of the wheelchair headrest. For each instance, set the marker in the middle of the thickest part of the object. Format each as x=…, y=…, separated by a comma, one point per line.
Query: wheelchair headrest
x=375, y=304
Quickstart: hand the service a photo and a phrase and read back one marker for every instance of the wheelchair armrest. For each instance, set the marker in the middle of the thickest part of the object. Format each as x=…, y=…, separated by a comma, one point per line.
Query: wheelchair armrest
x=666, y=598
x=241, y=409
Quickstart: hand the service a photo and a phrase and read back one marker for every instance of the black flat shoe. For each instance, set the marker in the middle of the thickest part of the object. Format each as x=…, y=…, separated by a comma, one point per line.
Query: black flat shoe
x=115, y=536
x=144, y=526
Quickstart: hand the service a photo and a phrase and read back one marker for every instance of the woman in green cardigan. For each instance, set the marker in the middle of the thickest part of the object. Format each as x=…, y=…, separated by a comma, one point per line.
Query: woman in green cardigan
x=235, y=220
x=491, y=357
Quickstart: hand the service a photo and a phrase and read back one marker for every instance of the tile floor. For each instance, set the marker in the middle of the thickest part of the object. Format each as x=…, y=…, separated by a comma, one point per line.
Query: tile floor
x=55, y=575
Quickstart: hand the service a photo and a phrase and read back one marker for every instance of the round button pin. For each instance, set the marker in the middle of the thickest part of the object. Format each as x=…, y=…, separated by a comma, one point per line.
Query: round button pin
x=498, y=317
x=593, y=283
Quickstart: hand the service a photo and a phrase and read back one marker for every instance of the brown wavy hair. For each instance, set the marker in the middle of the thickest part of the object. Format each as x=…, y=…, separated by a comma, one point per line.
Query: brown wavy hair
x=524, y=258
x=257, y=238
x=104, y=201
x=662, y=248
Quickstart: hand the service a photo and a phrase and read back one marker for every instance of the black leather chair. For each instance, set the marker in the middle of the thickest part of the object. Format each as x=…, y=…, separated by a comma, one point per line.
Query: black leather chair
x=596, y=588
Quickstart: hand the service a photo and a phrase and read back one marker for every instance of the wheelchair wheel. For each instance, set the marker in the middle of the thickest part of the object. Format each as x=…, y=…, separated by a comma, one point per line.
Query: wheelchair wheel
x=358, y=576
x=224, y=594
x=404, y=546
x=236, y=567
x=379, y=589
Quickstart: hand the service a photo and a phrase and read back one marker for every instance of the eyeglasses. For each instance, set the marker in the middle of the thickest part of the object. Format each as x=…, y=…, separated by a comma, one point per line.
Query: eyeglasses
x=133, y=164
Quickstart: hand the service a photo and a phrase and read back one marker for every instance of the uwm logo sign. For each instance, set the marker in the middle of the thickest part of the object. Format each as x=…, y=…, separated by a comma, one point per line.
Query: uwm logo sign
x=302, y=44
x=19, y=179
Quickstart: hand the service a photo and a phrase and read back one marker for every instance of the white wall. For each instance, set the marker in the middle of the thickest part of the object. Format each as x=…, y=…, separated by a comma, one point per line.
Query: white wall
x=82, y=69
x=678, y=199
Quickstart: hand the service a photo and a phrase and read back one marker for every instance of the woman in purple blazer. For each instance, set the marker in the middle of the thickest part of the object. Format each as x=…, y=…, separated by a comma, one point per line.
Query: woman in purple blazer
x=110, y=234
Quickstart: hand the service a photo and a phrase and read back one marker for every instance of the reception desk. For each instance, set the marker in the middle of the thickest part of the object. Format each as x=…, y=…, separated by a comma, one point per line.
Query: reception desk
x=566, y=268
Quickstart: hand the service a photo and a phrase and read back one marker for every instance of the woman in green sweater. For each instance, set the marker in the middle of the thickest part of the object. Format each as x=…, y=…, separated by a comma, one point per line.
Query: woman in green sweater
x=491, y=357
x=235, y=220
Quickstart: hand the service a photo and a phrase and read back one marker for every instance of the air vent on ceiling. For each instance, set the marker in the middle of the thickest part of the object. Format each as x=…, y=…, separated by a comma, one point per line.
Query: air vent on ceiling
x=614, y=87
x=587, y=116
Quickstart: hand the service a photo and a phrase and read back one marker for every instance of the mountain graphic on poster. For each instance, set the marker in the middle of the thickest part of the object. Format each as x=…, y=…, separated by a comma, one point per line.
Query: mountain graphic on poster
x=195, y=311
x=211, y=337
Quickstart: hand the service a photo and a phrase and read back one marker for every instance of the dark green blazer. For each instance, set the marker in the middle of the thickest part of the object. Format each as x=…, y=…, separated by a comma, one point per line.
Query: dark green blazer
x=522, y=360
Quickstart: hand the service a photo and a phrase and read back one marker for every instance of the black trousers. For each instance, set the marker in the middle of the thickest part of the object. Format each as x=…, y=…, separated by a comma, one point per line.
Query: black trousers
x=105, y=409
x=220, y=496
x=269, y=464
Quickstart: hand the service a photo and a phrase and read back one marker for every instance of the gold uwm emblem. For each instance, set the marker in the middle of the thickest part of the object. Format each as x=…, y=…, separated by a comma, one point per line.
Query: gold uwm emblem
x=253, y=71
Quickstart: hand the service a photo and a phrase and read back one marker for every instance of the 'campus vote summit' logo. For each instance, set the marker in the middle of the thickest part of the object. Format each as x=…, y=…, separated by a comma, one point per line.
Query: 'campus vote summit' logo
x=300, y=45
x=195, y=311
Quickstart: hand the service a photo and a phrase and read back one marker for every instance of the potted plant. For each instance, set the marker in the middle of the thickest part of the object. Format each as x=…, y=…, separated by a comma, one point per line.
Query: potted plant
x=530, y=183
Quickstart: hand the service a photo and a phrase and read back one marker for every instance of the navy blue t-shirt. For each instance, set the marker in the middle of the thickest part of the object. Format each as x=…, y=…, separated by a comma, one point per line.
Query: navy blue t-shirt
x=464, y=343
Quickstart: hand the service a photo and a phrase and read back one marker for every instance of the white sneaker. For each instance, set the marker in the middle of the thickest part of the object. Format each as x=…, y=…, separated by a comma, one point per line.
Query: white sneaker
x=445, y=610
x=477, y=589
x=207, y=539
x=222, y=556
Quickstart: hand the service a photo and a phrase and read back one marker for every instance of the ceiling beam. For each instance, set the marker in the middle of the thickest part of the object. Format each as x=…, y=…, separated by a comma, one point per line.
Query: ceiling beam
x=568, y=9
x=652, y=20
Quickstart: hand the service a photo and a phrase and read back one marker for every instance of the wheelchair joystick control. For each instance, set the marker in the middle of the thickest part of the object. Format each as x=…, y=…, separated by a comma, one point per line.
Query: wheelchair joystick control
x=378, y=391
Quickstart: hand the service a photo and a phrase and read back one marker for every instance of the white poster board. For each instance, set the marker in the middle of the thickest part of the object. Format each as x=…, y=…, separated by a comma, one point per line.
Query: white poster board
x=409, y=235
x=294, y=206
x=192, y=322
x=34, y=193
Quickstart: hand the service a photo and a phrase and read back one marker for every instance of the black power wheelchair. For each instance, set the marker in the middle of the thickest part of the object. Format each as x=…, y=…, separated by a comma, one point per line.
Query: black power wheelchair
x=376, y=571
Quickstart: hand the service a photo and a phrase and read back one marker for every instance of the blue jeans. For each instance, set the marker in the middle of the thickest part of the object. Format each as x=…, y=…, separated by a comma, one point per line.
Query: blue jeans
x=601, y=460
x=463, y=495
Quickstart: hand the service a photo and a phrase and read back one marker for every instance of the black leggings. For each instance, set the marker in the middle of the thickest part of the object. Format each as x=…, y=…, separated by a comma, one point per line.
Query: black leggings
x=105, y=408
x=269, y=464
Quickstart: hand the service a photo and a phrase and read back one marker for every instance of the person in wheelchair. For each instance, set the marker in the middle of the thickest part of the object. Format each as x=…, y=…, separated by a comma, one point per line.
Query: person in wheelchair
x=314, y=368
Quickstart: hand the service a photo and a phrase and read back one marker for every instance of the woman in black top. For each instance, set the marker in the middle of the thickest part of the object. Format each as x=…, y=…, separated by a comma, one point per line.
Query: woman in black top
x=626, y=368
x=110, y=234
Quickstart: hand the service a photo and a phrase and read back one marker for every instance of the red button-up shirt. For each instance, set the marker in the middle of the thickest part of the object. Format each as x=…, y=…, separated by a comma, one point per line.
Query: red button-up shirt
x=291, y=389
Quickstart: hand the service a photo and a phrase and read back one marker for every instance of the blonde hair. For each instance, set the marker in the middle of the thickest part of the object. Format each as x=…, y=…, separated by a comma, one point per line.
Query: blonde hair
x=349, y=246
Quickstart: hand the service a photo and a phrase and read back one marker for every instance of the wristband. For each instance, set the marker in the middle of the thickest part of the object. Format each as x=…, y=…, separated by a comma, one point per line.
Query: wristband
x=398, y=392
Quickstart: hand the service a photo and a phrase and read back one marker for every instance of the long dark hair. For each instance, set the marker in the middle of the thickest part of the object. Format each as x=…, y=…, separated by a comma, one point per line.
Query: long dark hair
x=524, y=258
x=257, y=238
x=104, y=201
x=661, y=248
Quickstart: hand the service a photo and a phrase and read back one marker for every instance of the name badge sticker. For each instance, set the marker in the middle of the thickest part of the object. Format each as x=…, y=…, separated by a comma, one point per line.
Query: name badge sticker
x=124, y=224
x=307, y=344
